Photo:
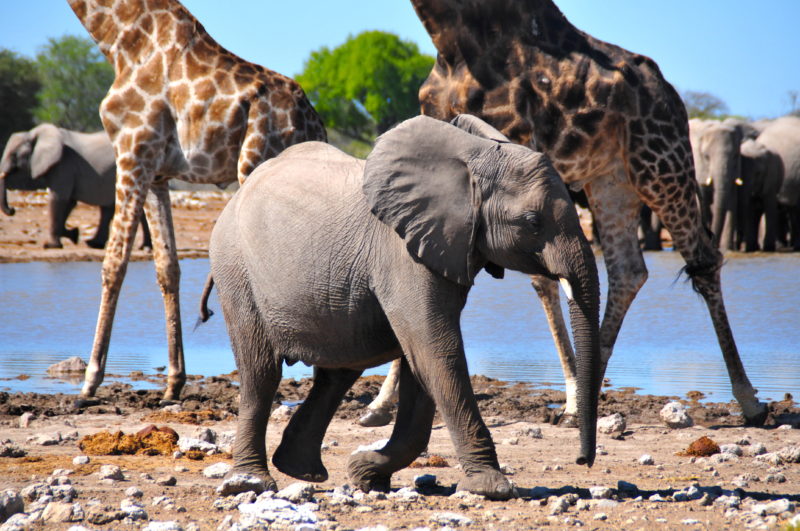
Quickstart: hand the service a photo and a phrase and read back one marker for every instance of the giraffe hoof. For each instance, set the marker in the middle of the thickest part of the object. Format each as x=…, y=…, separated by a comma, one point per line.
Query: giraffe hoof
x=375, y=417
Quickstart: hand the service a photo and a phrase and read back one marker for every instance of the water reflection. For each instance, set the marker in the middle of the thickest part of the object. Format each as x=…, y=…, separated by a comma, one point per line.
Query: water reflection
x=667, y=344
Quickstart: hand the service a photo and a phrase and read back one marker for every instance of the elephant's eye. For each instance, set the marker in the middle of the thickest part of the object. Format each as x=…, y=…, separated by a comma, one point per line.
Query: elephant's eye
x=532, y=218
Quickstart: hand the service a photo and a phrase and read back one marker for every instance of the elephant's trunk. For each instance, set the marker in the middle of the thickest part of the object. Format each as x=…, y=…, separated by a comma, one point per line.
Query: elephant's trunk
x=584, y=313
x=725, y=169
x=4, y=206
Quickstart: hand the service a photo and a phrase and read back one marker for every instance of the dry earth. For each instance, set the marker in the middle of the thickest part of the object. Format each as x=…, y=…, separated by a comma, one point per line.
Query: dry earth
x=723, y=491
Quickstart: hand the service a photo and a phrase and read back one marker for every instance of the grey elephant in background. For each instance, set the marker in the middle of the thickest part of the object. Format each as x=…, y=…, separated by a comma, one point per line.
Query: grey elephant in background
x=346, y=264
x=782, y=137
x=762, y=176
x=74, y=166
x=715, y=146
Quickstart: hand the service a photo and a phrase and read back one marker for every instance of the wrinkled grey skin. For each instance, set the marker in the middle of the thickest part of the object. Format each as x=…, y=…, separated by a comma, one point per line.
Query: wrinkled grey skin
x=74, y=166
x=345, y=264
x=762, y=176
x=718, y=168
x=782, y=137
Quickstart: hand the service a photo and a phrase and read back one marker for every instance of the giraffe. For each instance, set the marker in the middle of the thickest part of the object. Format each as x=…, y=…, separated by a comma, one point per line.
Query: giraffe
x=612, y=125
x=180, y=106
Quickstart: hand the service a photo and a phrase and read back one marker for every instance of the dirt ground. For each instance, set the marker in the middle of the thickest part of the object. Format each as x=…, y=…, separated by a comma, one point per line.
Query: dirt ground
x=542, y=468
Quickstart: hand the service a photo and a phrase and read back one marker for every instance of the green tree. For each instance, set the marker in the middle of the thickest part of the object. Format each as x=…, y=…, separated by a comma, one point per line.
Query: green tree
x=367, y=84
x=75, y=78
x=704, y=105
x=19, y=83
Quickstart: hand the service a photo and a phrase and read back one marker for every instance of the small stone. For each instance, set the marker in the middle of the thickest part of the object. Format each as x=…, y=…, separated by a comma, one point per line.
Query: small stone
x=600, y=516
x=48, y=439
x=646, y=459
x=188, y=443
x=601, y=450
x=771, y=458
x=133, y=510
x=9, y=449
x=206, y=434
x=181, y=468
x=756, y=449
x=656, y=498
x=297, y=492
x=81, y=460
x=112, y=472
x=450, y=519
x=733, y=449
x=61, y=512
x=534, y=432
x=424, y=480
x=507, y=469
x=629, y=489
x=612, y=424
x=282, y=412
x=163, y=526
x=69, y=365
x=134, y=492
x=217, y=470
x=674, y=415
x=511, y=441
x=775, y=478
x=558, y=506
x=25, y=419
x=690, y=521
x=778, y=507
x=11, y=503
x=166, y=481
x=790, y=454
x=241, y=483
x=601, y=493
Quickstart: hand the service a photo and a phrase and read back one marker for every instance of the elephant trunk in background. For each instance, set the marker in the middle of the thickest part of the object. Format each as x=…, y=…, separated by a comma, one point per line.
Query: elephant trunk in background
x=4, y=206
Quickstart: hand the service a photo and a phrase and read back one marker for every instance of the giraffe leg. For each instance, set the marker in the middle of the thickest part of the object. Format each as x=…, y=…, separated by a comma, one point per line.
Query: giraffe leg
x=547, y=290
x=703, y=262
x=616, y=207
x=165, y=254
x=115, y=264
x=379, y=411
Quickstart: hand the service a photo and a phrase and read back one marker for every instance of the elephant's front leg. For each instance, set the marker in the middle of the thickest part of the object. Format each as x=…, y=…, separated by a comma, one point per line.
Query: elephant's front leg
x=299, y=452
x=59, y=209
x=372, y=470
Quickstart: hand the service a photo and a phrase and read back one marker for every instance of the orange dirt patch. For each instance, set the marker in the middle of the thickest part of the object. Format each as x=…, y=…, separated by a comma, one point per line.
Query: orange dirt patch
x=702, y=447
x=187, y=417
x=149, y=441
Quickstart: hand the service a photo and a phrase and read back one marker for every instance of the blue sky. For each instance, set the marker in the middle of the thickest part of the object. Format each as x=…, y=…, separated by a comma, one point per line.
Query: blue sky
x=747, y=53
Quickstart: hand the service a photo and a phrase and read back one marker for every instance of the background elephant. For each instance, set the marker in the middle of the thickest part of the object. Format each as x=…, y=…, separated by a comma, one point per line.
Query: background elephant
x=718, y=168
x=762, y=176
x=782, y=137
x=73, y=166
x=390, y=248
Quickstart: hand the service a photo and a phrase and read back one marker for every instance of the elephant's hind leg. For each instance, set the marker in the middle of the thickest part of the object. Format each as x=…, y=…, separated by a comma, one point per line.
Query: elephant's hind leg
x=299, y=452
x=372, y=470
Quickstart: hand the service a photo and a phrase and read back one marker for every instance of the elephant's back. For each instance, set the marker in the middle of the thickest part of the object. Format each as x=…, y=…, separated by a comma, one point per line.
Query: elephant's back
x=782, y=137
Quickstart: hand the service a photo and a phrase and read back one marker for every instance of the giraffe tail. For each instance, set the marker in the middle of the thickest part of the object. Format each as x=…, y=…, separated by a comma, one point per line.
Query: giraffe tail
x=205, y=312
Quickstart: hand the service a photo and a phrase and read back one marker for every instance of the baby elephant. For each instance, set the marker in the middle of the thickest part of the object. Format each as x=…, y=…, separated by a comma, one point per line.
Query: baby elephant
x=345, y=264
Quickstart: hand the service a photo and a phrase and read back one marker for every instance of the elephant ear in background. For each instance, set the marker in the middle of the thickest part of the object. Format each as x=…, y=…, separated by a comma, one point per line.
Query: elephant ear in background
x=48, y=149
x=475, y=126
x=416, y=180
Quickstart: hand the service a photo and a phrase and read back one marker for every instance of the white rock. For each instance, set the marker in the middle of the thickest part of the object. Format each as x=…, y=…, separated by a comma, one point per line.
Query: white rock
x=206, y=434
x=296, y=492
x=133, y=509
x=134, y=492
x=282, y=412
x=600, y=516
x=111, y=472
x=450, y=519
x=790, y=454
x=646, y=459
x=534, y=432
x=733, y=449
x=81, y=460
x=241, y=483
x=190, y=443
x=405, y=494
x=163, y=526
x=690, y=521
x=755, y=449
x=217, y=470
x=69, y=365
x=611, y=424
x=601, y=493
x=62, y=512
x=558, y=506
x=269, y=511
x=675, y=416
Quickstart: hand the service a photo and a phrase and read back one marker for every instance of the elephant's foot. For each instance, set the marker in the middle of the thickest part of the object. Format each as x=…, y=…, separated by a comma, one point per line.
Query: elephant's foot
x=258, y=471
x=363, y=471
x=72, y=234
x=375, y=417
x=755, y=415
x=301, y=463
x=53, y=244
x=490, y=483
x=96, y=244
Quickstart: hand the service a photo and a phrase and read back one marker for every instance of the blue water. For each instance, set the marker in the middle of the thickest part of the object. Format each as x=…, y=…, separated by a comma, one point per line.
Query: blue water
x=667, y=344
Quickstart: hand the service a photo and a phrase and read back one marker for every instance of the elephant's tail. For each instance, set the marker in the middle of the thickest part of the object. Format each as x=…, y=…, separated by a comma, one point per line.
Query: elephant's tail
x=205, y=312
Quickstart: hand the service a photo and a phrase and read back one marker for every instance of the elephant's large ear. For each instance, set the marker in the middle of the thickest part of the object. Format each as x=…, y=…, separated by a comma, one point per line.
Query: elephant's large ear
x=475, y=126
x=417, y=181
x=48, y=149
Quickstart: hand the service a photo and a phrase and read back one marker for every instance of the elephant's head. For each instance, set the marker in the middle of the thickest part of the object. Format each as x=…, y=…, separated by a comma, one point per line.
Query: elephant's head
x=28, y=155
x=463, y=197
x=719, y=149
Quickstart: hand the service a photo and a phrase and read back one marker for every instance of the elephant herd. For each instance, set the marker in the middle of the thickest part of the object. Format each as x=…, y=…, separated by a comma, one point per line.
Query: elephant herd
x=749, y=179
